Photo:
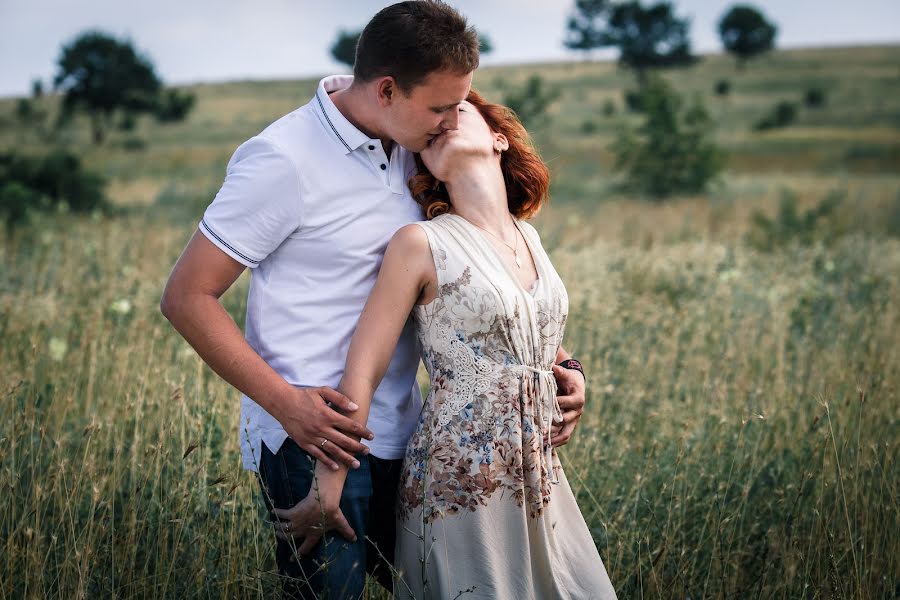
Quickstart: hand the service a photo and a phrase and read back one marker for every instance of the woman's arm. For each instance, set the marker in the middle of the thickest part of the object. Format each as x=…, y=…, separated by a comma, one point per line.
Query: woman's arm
x=407, y=275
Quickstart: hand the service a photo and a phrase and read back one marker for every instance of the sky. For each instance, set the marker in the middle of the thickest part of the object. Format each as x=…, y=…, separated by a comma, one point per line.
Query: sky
x=217, y=40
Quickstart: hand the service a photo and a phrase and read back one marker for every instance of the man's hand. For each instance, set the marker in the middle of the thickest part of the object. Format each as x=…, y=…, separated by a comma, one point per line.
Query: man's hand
x=571, y=388
x=310, y=519
x=191, y=303
x=310, y=421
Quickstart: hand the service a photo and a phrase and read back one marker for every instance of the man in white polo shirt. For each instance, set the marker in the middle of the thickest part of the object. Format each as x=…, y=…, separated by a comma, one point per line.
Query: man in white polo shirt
x=309, y=206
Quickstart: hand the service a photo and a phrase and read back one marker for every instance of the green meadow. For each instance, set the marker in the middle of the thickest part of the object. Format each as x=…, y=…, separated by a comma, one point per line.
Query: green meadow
x=741, y=433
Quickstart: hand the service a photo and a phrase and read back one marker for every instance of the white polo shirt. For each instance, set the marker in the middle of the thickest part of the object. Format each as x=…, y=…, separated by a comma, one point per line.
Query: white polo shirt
x=309, y=205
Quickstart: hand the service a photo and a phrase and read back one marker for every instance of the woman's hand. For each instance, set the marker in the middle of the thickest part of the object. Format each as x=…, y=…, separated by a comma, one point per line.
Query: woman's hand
x=310, y=519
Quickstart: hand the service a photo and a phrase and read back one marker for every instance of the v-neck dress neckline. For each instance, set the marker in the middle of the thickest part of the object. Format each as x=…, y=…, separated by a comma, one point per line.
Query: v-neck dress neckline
x=530, y=290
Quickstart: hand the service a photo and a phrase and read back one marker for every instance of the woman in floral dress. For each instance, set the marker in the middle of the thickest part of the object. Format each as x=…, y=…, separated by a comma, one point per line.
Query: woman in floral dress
x=485, y=510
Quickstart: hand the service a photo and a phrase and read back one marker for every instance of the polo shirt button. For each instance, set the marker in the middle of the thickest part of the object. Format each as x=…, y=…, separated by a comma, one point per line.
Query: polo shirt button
x=383, y=166
x=371, y=147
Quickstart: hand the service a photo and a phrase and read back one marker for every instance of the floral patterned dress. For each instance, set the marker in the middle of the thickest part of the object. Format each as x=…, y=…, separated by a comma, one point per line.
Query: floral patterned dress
x=485, y=510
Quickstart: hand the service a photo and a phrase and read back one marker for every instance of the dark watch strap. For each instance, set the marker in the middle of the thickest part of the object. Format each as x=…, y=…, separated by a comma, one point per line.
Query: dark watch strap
x=571, y=363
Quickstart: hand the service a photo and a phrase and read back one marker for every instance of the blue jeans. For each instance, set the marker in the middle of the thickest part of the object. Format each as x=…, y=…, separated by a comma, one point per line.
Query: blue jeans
x=336, y=569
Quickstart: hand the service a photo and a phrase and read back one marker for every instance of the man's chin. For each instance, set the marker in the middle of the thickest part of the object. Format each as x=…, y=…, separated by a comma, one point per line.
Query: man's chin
x=416, y=147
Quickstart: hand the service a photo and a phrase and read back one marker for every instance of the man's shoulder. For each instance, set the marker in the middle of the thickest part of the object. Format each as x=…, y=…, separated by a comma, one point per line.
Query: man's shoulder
x=295, y=131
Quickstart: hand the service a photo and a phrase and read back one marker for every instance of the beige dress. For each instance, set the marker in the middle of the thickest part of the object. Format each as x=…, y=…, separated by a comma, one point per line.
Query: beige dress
x=485, y=510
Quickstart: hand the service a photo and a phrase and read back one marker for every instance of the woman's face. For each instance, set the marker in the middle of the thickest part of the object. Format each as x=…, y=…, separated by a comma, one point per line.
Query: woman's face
x=453, y=148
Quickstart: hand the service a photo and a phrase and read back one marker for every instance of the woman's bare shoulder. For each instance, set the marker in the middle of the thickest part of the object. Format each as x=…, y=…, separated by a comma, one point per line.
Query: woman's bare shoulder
x=410, y=238
x=410, y=246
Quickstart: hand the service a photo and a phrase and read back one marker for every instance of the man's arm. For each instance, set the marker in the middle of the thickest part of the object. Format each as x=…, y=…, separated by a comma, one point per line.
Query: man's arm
x=571, y=400
x=191, y=303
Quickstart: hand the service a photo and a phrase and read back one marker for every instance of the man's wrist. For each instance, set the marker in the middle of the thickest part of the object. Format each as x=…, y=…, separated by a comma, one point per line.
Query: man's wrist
x=276, y=401
x=573, y=364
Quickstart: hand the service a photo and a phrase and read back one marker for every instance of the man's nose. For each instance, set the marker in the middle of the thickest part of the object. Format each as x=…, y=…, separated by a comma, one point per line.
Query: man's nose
x=451, y=121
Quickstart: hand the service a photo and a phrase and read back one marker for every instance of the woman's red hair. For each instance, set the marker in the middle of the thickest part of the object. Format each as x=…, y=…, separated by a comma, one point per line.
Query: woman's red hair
x=527, y=177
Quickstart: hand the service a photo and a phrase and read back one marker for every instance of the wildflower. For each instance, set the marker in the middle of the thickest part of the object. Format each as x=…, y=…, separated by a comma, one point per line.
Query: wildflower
x=58, y=349
x=121, y=306
x=729, y=275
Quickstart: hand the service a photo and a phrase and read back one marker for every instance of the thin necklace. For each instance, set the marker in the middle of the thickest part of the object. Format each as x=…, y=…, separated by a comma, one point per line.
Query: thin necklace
x=515, y=249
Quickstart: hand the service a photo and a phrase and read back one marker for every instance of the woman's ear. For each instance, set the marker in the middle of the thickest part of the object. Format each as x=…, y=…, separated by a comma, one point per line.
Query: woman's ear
x=501, y=144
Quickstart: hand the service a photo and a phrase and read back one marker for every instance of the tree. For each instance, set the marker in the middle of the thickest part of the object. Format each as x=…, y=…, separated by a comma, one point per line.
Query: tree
x=99, y=74
x=485, y=46
x=530, y=102
x=344, y=48
x=585, y=25
x=647, y=37
x=671, y=152
x=746, y=33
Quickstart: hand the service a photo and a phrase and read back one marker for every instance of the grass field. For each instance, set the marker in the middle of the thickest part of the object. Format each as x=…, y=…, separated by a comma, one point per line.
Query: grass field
x=741, y=438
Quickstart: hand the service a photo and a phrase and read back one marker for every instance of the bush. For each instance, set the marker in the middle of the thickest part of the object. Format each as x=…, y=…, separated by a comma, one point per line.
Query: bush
x=588, y=127
x=723, y=87
x=174, y=106
x=531, y=101
x=892, y=219
x=45, y=183
x=782, y=114
x=671, y=152
x=133, y=144
x=609, y=108
x=30, y=115
x=633, y=100
x=815, y=97
x=15, y=200
x=127, y=122
x=24, y=110
x=789, y=225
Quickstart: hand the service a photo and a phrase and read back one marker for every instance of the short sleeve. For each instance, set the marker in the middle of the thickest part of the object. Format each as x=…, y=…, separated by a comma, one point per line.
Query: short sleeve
x=258, y=206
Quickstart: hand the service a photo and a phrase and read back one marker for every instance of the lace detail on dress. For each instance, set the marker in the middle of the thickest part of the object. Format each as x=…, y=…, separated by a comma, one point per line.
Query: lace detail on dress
x=474, y=376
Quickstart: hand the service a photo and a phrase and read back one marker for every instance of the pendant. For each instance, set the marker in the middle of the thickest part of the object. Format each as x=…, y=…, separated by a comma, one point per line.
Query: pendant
x=518, y=261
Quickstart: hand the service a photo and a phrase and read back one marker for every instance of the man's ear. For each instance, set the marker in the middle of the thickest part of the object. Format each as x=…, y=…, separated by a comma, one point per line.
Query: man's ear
x=386, y=90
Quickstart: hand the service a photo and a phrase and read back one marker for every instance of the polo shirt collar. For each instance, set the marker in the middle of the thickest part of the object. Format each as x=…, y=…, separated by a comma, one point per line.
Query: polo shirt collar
x=346, y=132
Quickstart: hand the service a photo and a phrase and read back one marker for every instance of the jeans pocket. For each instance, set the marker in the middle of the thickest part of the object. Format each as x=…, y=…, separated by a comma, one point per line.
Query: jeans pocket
x=286, y=476
x=358, y=484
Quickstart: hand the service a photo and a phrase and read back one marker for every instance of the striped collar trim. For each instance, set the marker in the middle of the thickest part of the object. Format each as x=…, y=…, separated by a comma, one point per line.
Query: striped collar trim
x=347, y=134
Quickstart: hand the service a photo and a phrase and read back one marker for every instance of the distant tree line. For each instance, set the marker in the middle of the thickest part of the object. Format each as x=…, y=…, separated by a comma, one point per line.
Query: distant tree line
x=105, y=79
x=654, y=37
x=672, y=151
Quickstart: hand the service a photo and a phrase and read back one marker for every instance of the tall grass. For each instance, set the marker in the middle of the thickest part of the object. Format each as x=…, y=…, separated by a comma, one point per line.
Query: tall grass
x=740, y=439
x=741, y=435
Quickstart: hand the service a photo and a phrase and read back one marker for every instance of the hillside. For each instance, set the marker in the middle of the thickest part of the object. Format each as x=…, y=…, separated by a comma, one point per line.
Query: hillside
x=740, y=346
